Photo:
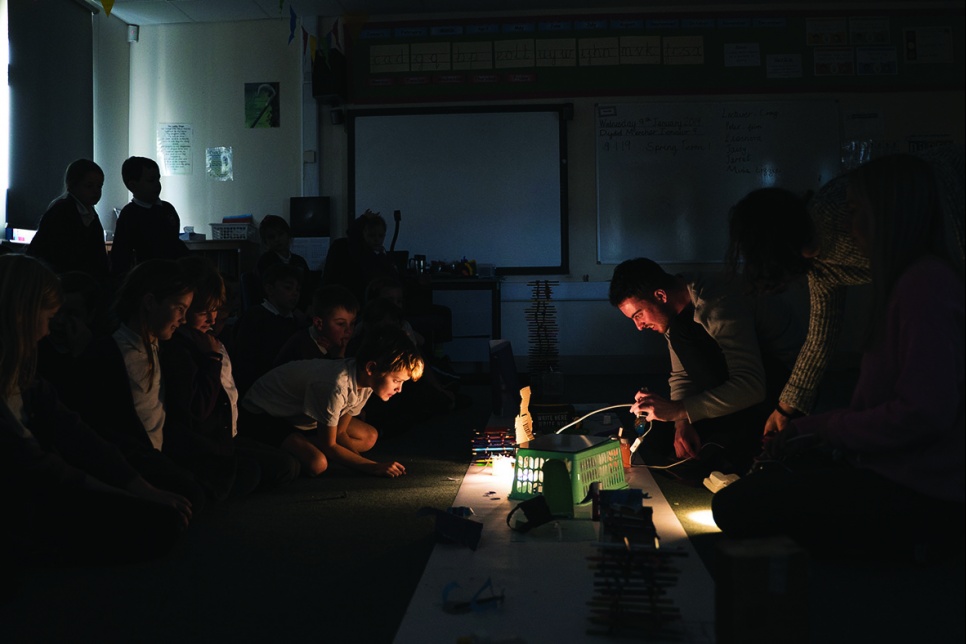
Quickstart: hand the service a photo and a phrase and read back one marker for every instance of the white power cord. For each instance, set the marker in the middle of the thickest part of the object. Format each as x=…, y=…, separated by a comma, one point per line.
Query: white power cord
x=596, y=411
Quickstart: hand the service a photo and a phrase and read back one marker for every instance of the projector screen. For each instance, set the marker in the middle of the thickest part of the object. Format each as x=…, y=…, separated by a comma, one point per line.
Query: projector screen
x=487, y=184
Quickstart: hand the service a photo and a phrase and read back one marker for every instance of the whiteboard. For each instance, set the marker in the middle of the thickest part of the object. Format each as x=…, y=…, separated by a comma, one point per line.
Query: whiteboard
x=668, y=173
x=485, y=185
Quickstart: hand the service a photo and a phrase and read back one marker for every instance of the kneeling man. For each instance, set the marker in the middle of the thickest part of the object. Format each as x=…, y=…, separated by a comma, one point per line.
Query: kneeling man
x=731, y=353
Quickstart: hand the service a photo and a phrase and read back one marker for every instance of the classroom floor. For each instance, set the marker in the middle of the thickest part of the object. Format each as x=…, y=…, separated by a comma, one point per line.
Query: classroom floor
x=343, y=558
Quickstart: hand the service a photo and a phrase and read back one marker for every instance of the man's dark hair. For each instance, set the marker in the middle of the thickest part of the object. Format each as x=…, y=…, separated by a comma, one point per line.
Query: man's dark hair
x=638, y=278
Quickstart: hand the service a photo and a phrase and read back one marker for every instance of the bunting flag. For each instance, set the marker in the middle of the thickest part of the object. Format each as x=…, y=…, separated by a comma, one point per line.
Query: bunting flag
x=334, y=40
x=313, y=47
x=309, y=44
x=108, y=5
x=336, y=35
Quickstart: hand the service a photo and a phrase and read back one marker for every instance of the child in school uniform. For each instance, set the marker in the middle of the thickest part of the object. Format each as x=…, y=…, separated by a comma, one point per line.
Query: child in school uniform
x=333, y=313
x=122, y=394
x=70, y=236
x=148, y=227
x=310, y=408
x=420, y=400
x=201, y=402
x=68, y=495
x=81, y=318
x=262, y=330
x=276, y=238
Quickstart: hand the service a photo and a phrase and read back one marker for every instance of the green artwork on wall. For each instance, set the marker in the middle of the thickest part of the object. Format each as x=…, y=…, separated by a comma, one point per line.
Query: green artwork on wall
x=261, y=105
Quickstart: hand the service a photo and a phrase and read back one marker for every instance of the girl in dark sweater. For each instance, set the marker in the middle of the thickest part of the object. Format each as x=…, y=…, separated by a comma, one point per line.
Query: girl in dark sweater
x=69, y=496
x=896, y=481
x=201, y=401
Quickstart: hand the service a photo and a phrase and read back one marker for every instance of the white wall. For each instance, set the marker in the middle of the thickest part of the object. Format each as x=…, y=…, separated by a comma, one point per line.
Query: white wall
x=196, y=74
x=112, y=104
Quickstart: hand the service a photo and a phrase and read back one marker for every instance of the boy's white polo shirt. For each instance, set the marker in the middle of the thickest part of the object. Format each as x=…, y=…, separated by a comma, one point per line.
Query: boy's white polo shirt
x=307, y=393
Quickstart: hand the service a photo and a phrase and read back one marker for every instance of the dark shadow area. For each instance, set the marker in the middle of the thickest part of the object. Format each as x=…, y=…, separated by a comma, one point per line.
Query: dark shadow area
x=337, y=559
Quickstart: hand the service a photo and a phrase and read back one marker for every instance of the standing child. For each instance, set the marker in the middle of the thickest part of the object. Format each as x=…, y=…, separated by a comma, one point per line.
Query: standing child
x=70, y=236
x=309, y=407
x=147, y=228
x=68, y=495
x=201, y=401
x=333, y=313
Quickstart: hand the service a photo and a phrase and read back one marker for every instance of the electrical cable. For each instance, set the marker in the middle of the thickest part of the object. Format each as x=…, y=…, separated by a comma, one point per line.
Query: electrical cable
x=638, y=440
x=596, y=411
x=667, y=467
x=685, y=460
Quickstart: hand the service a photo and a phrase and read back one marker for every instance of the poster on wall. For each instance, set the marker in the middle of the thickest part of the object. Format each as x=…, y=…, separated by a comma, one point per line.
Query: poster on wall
x=218, y=164
x=261, y=105
x=174, y=148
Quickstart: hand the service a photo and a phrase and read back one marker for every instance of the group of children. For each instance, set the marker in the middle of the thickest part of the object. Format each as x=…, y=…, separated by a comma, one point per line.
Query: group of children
x=70, y=236
x=96, y=416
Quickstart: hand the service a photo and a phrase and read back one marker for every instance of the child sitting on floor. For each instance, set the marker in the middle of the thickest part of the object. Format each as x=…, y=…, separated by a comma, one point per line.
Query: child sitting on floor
x=201, y=402
x=419, y=401
x=277, y=240
x=68, y=495
x=120, y=394
x=263, y=330
x=310, y=407
x=333, y=313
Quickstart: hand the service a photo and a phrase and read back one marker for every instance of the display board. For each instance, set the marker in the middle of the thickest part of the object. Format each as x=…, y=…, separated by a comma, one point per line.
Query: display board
x=763, y=50
x=487, y=184
x=668, y=172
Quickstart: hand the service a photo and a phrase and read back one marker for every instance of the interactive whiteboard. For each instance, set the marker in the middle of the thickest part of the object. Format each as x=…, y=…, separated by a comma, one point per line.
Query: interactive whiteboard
x=487, y=184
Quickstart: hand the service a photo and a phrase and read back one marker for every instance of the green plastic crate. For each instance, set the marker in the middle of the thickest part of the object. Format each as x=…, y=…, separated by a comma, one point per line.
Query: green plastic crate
x=588, y=459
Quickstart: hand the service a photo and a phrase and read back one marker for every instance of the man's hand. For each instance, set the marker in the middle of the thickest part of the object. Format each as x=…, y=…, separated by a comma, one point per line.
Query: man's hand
x=687, y=443
x=654, y=407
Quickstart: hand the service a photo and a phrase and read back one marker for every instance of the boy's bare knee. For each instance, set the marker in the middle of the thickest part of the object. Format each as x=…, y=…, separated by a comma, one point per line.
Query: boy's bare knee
x=369, y=441
x=316, y=465
x=313, y=461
